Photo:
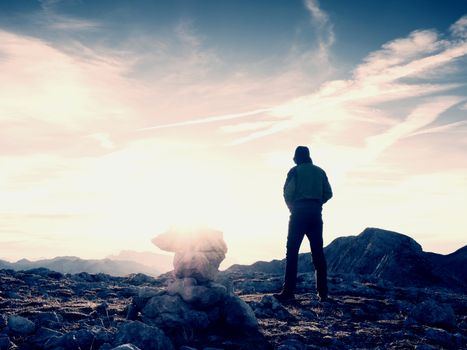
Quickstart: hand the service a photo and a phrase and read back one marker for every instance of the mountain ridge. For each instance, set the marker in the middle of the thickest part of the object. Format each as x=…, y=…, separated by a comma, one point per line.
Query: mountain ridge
x=382, y=254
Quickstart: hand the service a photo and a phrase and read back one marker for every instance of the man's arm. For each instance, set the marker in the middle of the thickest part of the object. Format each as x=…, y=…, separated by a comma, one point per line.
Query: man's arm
x=327, y=190
x=289, y=188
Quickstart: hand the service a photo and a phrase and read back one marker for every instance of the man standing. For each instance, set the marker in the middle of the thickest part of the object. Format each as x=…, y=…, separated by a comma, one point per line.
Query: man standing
x=305, y=191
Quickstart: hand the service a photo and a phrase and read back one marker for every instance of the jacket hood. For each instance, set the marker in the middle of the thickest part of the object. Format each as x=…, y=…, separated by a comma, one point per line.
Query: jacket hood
x=302, y=155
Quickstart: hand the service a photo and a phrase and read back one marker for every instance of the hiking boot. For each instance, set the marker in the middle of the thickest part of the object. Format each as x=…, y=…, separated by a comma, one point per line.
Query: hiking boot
x=284, y=297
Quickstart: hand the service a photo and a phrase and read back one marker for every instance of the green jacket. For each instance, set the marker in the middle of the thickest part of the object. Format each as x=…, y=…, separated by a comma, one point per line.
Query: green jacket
x=306, y=181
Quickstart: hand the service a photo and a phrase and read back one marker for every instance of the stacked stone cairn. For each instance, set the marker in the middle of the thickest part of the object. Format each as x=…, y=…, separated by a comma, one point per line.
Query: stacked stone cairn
x=195, y=305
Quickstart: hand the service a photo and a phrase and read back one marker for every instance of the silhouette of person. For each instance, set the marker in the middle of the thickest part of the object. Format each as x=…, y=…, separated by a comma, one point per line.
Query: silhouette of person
x=306, y=189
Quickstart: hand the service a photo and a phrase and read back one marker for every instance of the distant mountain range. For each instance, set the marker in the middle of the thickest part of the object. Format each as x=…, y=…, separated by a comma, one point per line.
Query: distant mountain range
x=382, y=254
x=71, y=264
x=122, y=264
x=161, y=262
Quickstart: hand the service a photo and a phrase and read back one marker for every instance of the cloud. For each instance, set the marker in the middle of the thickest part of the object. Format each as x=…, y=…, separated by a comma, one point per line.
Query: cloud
x=41, y=82
x=206, y=120
x=68, y=23
x=324, y=31
x=321, y=22
x=178, y=58
x=459, y=28
x=422, y=116
x=439, y=129
x=379, y=79
x=398, y=52
x=51, y=18
x=50, y=99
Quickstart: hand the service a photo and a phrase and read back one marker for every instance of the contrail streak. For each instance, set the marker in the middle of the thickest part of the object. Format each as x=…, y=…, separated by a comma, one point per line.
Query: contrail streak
x=207, y=120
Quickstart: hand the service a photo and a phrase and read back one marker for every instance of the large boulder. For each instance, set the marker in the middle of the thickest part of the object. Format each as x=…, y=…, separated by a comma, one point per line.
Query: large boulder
x=433, y=314
x=238, y=316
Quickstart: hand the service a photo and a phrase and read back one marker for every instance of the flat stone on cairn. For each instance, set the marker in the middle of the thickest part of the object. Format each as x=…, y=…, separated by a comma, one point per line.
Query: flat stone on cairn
x=198, y=252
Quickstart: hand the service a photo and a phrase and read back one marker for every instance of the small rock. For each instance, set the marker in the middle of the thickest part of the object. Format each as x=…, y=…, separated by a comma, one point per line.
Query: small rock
x=198, y=265
x=43, y=334
x=144, y=294
x=143, y=336
x=21, y=325
x=177, y=285
x=439, y=336
x=148, y=292
x=203, y=296
x=269, y=307
x=102, y=335
x=74, y=340
x=126, y=347
x=48, y=318
x=106, y=346
x=157, y=305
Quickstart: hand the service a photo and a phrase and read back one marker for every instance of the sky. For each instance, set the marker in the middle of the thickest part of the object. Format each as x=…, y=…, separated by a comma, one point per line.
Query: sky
x=119, y=119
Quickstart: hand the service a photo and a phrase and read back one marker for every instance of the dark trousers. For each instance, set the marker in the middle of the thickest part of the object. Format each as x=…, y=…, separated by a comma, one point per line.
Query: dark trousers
x=306, y=219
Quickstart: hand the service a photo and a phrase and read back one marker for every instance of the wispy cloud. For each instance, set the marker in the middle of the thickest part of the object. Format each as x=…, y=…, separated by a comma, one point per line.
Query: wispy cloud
x=439, y=129
x=206, y=120
x=378, y=80
x=53, y=19
x=423, y=115
x=68, y=23
x=460, y=27
x=320, y=20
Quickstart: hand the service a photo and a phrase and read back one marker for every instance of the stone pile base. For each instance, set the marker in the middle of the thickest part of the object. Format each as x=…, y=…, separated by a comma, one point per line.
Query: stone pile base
x=189, y=310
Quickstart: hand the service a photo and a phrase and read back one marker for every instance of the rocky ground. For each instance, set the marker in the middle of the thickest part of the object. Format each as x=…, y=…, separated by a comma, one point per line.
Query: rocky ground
x=40, y=309
x=362, y=314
